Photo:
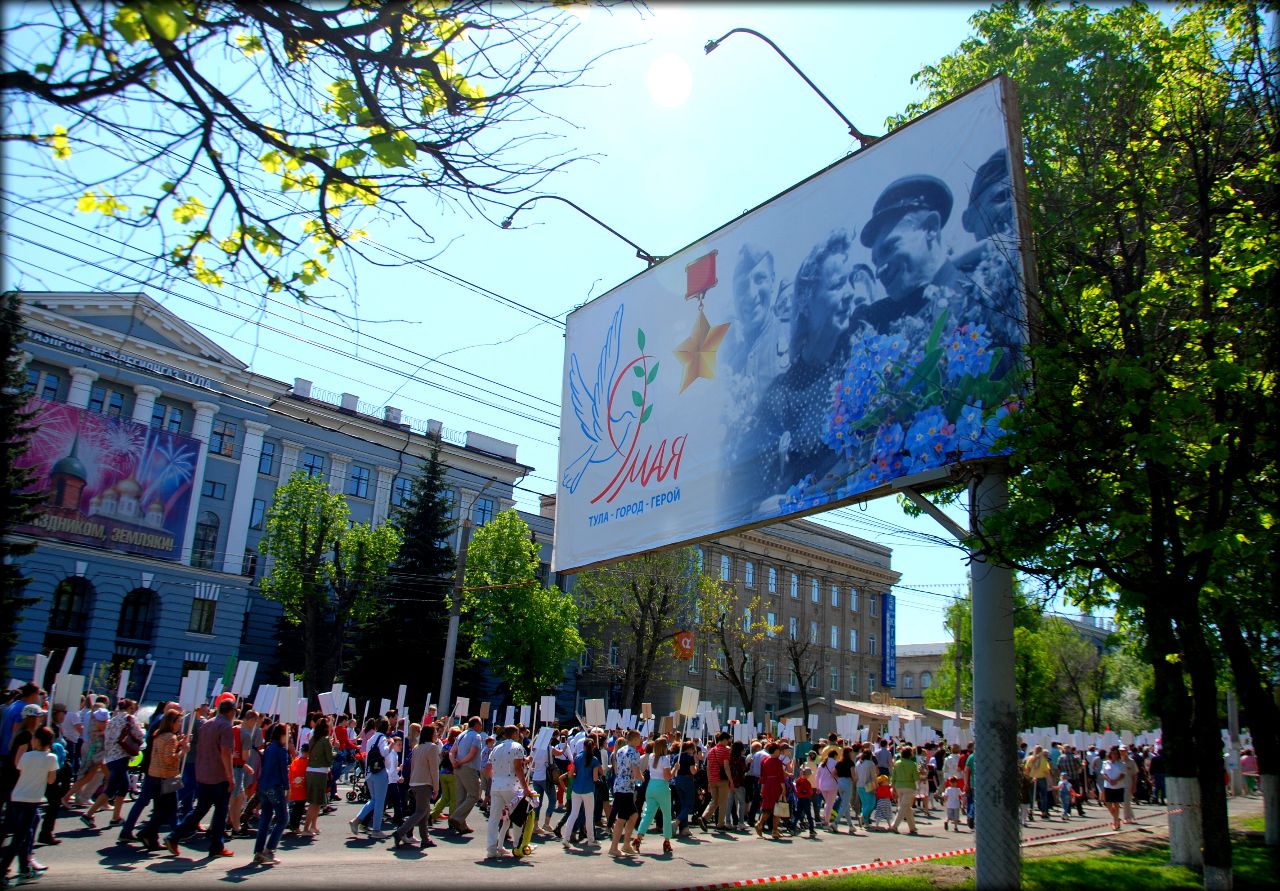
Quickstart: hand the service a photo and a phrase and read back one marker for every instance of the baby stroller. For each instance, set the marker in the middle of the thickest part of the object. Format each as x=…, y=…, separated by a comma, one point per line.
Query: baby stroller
x=524, y=818
x=359, y=791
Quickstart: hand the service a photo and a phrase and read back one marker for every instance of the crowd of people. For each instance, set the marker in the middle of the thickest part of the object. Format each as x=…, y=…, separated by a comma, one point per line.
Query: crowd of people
x=227, y=771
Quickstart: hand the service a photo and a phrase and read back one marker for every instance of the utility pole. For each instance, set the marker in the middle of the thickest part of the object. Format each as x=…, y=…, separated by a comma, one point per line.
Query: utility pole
x=455, y=606
x=959, y=625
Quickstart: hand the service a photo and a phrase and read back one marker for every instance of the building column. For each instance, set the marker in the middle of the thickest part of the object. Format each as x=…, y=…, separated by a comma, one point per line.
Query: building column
x=81, y=384
x=289, y=452
x=338, y=474
x=144, y=402
x=242, y=506
x=200, y=429
x=382, y=494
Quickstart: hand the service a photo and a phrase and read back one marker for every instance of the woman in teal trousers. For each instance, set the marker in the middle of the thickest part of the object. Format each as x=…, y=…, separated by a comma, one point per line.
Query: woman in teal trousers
x=657, y=795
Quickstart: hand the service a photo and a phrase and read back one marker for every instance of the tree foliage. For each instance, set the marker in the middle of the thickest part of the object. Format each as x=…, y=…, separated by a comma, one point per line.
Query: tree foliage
x=394, y=642
x=1148, y=444
x=737, y=638
x=254, y=139
x=526, y=630
x=639, y=605
x=18, y=501
x=326, y=574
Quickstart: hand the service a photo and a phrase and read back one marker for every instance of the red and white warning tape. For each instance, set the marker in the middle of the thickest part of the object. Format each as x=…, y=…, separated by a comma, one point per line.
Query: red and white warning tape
x=877, y=864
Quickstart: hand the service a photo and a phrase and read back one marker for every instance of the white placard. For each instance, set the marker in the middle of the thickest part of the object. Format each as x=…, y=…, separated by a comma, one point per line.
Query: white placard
x=400, y=694
x=123, y=686
x=733, y=713
x=67, y=659
x=547, y=710
x=40, y=666
x=217, y=691
x=462, y=707
x=626, y=718
x=688, y=701
x=510, y=715
x=712, y=721
x=264, y=700
x=526, y=715
x=68, y=688
x=543, y=739
x=813, y=721
x=593, y=711
x=384, y=706
x=247, y=679
x=646, y=729
x=327, y=705
x=613, y=720
x=300, y=711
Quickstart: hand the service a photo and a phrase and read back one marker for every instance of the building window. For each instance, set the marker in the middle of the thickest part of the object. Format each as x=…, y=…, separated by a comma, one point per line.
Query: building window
x=450, y=498
x=853, y=600
x=44, y=384
x=189, y=665
x=106, y=401
x=814, y=676
x=700, y=558
x=908, y=681
x=313, y=464
x=137, y=615
x=769, y=671
x=772, y=618
x=773, y=580
x=926, y=680
x=222, y=439
x=267, y=458
x=693, y=661
x=71, y=601
x=726, y=567
x=871, y=644
x=749, y=574
x=615, y=654
x=358, y=482
x=793, y=679
x=211, y=489
x=249, y=568
x=746, y=621
x=202, y=614
x=873, y=605
x=871, y=682
x=835, y=637
x=815, y=591
x=584, y=661
x=205, y=545
x=257, y=513
x=167, y=417
x=482, y=511
x=401, y=490
x=835, y=595
x=793, y=628
x=813, y=631
x=795, y=586
x=853, y=683
x=853, y=640
x=835, y=680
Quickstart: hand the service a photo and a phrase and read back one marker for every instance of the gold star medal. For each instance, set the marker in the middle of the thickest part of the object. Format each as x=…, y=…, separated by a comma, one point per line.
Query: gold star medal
x=697, y=353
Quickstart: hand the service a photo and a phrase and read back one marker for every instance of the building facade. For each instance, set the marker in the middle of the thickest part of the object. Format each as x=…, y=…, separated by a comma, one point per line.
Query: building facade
x=160, y=453
x=823, y=591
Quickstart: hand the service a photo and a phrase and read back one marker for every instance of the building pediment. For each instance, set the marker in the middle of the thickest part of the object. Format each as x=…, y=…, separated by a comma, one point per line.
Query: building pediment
x=133, y=316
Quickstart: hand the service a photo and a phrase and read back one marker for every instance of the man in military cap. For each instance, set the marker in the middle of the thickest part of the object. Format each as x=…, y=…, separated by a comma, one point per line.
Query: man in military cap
x=905, y=237
x=990, y=210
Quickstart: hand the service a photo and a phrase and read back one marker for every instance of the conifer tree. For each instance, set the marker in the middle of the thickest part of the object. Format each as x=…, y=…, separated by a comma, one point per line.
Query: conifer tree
x=18, y=504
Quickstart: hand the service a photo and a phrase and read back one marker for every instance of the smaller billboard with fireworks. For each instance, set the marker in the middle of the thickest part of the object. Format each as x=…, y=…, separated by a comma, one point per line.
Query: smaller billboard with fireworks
x=109, y=482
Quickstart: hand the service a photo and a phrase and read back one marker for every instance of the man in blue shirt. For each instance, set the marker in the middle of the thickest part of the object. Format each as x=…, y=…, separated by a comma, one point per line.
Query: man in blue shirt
x=465, y=757
x=28, y=694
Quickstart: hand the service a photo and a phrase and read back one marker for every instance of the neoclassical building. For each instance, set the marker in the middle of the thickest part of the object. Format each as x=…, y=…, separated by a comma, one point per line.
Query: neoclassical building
x=159, y=453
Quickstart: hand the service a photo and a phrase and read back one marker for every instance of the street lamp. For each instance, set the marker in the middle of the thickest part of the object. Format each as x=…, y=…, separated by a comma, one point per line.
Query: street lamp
x=641, y=253
x=863, y=139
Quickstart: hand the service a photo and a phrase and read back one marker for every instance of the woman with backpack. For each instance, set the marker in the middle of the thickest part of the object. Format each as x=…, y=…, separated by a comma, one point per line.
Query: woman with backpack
x=377, y=748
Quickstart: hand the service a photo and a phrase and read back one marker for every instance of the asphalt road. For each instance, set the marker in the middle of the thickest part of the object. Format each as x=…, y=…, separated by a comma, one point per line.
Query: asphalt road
x=92, y=859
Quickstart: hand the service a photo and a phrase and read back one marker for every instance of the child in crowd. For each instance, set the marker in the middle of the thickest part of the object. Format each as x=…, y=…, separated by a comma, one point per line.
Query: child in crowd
x=1065, y=796
x=804, y=802
x=884, y=804
x=952, y=800
x=298, y=786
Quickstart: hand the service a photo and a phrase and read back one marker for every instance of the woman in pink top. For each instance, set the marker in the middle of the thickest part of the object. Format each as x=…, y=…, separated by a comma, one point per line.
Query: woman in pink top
x=828, y=785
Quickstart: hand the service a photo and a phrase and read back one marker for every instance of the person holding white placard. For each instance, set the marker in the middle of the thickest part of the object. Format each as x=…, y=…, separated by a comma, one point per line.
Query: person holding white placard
x=586, y=772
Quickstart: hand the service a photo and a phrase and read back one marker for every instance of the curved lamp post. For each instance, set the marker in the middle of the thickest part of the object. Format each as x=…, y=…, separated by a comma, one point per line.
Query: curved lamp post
x=641, y=253
x=863, y=139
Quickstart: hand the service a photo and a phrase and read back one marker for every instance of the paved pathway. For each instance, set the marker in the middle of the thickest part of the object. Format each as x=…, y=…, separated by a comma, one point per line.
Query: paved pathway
x=88, y=859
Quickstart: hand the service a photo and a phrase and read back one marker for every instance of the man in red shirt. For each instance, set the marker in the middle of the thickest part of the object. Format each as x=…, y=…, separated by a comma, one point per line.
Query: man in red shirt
x=719, y=781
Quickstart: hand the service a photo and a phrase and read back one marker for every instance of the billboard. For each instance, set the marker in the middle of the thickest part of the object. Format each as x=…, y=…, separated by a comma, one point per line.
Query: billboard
x=109, y=482
x=889, y=640
x=863, y=326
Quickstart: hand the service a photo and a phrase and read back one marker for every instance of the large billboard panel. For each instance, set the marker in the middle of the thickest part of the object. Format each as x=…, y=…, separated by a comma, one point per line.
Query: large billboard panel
x=864, y=326
x=109, y=482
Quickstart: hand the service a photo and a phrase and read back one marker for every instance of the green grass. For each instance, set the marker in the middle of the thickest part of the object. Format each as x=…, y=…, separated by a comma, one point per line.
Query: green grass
x=1145, y=869
x=1249, y=824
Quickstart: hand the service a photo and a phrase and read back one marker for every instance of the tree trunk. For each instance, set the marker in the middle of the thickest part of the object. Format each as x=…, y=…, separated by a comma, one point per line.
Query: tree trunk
x=1174, y=708
x=1270, y=784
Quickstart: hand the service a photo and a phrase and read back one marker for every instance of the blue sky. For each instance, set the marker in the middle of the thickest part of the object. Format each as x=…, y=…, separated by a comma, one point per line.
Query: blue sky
x=675, y=143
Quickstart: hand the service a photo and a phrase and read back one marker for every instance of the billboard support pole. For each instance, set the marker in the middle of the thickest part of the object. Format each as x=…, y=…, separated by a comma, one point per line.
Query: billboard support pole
x=998, y=862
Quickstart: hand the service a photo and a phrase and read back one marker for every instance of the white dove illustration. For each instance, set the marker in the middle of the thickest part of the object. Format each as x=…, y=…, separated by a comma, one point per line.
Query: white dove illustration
x=591, y=407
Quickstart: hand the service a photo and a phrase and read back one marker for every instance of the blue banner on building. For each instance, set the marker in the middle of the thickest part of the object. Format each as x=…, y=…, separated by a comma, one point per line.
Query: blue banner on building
x=888, y=633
